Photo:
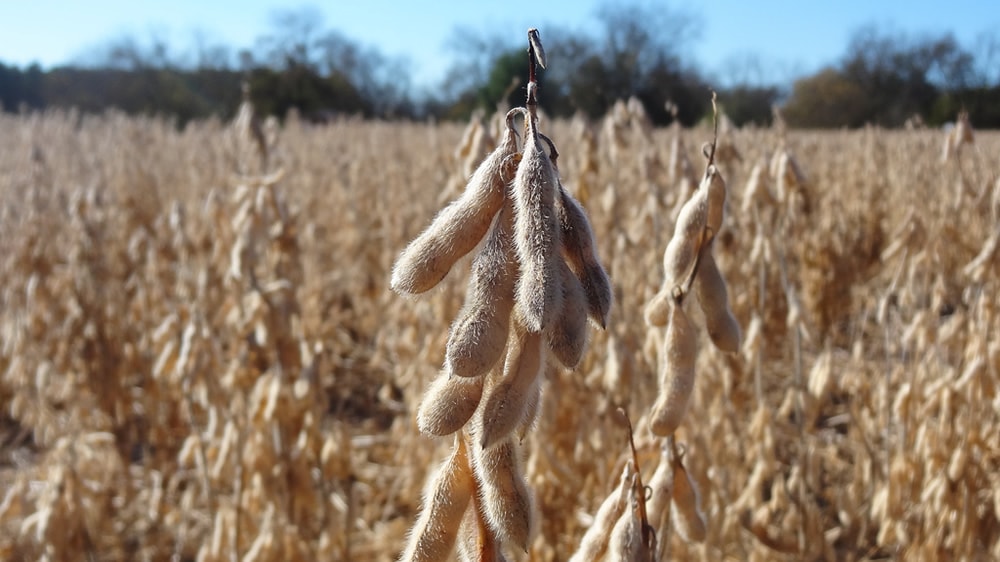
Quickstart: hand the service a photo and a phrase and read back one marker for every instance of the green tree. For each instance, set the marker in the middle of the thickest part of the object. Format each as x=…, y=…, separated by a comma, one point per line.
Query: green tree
x=21, y=89
x=882, y=79
x=744, y=103
x=827, y=99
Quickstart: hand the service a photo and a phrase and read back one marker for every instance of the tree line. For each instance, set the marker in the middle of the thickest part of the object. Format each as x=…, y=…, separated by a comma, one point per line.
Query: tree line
x=882, y=78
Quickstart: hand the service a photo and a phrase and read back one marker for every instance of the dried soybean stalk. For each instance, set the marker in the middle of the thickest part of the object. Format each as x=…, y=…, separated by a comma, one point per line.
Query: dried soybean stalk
x=533, y=285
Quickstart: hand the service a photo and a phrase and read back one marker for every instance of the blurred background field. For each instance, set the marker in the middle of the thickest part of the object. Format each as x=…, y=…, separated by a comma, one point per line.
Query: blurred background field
x=201, y=358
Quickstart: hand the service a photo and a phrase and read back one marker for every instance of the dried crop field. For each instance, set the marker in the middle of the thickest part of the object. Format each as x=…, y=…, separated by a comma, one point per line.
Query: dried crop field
x=201, y=357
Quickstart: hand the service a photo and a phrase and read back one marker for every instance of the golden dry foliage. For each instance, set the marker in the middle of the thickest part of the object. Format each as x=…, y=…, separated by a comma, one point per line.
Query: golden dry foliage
x=201, y=359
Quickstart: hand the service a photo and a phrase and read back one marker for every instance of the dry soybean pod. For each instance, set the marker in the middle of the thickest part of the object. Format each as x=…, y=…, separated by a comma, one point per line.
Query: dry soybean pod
x=567, y=338
x=595, y=541
x=580, y=249
x=681, y=251
x=661, y=490
x=459, y=227
x=538, y=294
x=476, y=541
x=715, y=190
x=505, y=402
x=710, y=288
x=479, y=334
x=445, y=501
x=532, y=408
x=680, y=350
x=448, y=404
x=685, y=510
x=657, y=311
x=505, y=498
x=625, y=543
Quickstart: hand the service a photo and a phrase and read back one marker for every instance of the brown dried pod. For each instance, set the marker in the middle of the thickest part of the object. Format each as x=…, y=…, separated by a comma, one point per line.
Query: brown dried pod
x=505, y=403
x=504, y=494
x=580, y=250
x=661, y=490
x=448, y=404
x=479, y=334
x=595, y=541
x=685, y=512
x=715, y=190
x=567, y=338
x=445, y=501
x=532, y=408
x=626, y=542
x=680, y=350
x=681, y=251
x=476, y=541
x=710, y=288
x=459, y=227
x=757, y=187
x=657, y=311
x=538, y=295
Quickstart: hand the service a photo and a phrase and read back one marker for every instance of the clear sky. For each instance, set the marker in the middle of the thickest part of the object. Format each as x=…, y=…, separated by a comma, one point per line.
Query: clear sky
x=789, y=37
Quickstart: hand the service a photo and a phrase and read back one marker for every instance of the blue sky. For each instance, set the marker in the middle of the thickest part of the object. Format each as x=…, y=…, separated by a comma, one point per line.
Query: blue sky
x=789, y=38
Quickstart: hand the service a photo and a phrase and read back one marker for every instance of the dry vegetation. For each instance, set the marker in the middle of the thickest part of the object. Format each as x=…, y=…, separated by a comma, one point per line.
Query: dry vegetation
x=201, y=359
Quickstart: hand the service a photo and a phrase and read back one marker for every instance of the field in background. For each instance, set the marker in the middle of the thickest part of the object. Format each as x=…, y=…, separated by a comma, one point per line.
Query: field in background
x=200, y=355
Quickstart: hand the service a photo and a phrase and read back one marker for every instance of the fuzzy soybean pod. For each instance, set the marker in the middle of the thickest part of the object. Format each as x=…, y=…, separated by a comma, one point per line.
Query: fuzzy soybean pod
x=657, y=311
x=625, y=543
x=538, y=294
x=661, y=490
x=679, y=257
x=445, y=501
x=532, y=408
x=715, y=191
x=595, y=541
x=710, y=288
x=580, y=250
x=505, y=403
x=459, y=227
x=685, y=509
x=504, y=495
x=680, y=350
x=479, y=334
x=567, y=338
x=448, y=404
x=756, y=187
x=476, y=542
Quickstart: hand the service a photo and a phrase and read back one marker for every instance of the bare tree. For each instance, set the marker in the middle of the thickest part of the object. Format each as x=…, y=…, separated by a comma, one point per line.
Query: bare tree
x=474, y=54
x=638, y=38
x=293, y=39
x=986, y=53
x=209, y=55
